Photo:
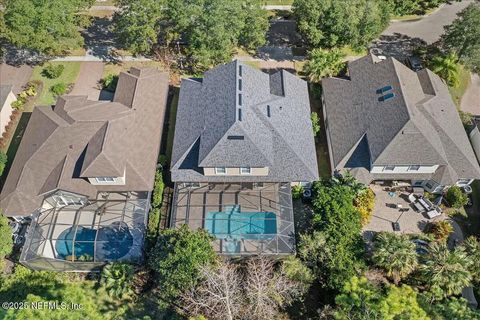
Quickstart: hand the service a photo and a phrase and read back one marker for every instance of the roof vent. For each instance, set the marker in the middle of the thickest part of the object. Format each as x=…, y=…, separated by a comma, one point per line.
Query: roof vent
x=239, y=114
x=268, y=111
x=239, y=99
x=240, y=70
x=235, y=137
x=384, y=89
x=240, y=84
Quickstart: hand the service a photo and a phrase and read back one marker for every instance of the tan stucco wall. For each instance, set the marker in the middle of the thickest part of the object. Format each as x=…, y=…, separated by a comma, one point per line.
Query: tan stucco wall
x=236, y=172
x=6, y=112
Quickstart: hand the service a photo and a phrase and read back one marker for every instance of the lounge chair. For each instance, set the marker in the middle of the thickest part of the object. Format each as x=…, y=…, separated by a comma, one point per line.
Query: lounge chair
x=412, y=198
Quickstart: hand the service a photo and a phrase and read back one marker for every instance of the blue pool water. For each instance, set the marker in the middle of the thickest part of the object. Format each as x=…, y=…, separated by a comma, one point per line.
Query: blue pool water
x=113, y=242
x=234, y=224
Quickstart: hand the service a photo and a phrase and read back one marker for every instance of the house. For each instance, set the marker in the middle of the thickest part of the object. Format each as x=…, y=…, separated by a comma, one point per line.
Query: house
x=7, y=97
x=83, y=173
x=385, y=122
x=242, y=137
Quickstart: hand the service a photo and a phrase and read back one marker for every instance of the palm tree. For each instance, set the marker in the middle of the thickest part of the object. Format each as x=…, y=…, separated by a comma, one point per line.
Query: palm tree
x=472, y=249
x=446, y=67
x=446, y=272
x=117, y=278
x=441, y=230
x=323, y=63
x=395, y=254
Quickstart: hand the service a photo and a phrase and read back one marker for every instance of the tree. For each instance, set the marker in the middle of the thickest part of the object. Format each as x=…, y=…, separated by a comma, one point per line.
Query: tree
x=395, y=254
x=6, y=242
x=446, y=272
x=219, y=295
x=297, y=191
x=401, y=303
x=336, y=23
x=49, y=27
x=365, y=203
x=446, y=67
x=117, y=278
x=441, y=230
x=463, y=37
x=451, y=308
x=137, y=24
x=158, y=187
x=334, y=250
x=315, y=123
x=455, y=197
x=3, y=161
x=323, y=63
x=472, y=250
x=177, y=258
x=266, y=289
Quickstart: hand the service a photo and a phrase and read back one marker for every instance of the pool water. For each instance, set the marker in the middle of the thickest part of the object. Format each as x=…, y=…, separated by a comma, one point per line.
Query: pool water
x=235, y=224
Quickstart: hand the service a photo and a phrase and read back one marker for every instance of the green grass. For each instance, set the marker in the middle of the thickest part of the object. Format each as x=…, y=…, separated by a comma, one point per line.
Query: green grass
x=278, y=2
x=69, y=75
x=458, y=92
x=172, y=116
x=349, y=51
x=408, y=17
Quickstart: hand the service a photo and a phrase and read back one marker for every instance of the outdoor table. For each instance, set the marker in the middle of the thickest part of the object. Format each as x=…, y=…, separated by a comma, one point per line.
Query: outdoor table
x=418, y=206
x=427, y=205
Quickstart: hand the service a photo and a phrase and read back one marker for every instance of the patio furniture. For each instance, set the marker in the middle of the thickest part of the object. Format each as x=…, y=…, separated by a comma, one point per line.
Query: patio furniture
x=392, y=194
x=426, y=203
x=412, y=198
x=399, y=206
x=418, y=206
x=433, y=213
x=396, y=226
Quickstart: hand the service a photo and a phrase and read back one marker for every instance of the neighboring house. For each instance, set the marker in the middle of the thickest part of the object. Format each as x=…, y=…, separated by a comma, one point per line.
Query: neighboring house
x=241, y=138
x=7, y=97
x=84, y=171
x=387, y=122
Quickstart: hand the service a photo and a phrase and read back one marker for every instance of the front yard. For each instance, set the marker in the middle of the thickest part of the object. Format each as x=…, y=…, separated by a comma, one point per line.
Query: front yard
x=68, y=76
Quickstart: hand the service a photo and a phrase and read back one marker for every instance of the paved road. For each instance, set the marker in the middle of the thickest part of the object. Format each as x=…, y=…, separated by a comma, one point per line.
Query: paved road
x=93, y=58
x=471, y=99
x=113, y=8
x=88, y=79
x=429, y=28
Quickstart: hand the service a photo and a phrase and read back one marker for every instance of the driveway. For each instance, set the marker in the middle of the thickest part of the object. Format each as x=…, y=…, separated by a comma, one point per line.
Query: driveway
x=88, y=78
x=471, y=99
x=16, y=76
x=429, y=28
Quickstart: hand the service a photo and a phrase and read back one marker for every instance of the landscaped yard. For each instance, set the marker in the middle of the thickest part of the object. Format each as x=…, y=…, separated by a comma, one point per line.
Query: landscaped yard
x=68, y=76
x=457, y=93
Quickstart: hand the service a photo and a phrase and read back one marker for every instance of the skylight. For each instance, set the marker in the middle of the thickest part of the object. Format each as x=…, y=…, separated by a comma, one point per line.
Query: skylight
x=384, y=89
x=386, y=97
x=235, y=137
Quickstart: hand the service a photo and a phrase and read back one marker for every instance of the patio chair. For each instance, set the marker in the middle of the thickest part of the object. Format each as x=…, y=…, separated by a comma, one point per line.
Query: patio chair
x=396, y=226
x=412, y=198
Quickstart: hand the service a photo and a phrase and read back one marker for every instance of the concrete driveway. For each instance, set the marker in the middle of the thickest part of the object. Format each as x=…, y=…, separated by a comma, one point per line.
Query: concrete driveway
x=471, y=99
x=429, y=28
x=16, y=76
x=88, y=78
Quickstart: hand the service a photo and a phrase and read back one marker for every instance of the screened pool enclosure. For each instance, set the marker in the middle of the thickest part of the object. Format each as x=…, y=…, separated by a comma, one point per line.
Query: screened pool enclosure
x=82, y=235
x=244, y=218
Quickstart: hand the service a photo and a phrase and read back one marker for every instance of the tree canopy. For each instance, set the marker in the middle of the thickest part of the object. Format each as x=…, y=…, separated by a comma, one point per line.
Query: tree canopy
x=323, y=63
x=463, y=37
x=336, y=23
x=49, y=27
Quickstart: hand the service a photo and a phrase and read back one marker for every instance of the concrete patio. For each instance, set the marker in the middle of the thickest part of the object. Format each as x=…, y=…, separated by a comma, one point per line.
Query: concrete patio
x=386, y=212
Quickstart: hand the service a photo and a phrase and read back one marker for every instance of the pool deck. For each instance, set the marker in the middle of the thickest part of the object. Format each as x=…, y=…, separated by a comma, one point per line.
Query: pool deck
x=191, y=206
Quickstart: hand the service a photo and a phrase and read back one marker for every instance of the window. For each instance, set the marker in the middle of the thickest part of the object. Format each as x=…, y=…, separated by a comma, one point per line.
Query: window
x=239, y=99
x=104, y=179
x=245, y=170
x=413, y=168
x=388, y=168
x=220, y=170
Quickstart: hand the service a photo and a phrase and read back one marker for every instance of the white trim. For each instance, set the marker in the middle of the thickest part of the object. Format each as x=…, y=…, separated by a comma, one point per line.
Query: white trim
x=105, y=179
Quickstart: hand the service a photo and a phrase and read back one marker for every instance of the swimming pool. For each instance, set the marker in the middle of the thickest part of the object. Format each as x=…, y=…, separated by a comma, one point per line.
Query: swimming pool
x=235, y=224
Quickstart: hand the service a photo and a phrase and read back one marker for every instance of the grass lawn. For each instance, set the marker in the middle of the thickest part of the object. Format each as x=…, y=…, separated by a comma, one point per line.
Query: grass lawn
x=350, y=52
x=69, y=75
x=458, y=92
x=104, y=3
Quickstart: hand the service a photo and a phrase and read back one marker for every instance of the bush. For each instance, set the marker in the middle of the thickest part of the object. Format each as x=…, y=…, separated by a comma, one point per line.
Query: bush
x=3, y=161
x=315, y=123
x=6, y=243
x=52, y=71
x=58, y=89
x=109, y=83
x=297, y=191
x=456, y=198
x=158, y=187
x=365, y=202
x=152, y=228
x=441, y=230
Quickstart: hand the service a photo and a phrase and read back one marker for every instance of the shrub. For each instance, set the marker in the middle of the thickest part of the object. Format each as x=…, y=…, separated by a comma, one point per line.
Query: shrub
x=157, y=196
x=315, y=123
x=365, y=202
x=117, y=278
x=109, y=83
x=18, y=104
x=441, y=230
x=297, y=191
x=456, y=198
x=58, y=89
x=3, y=161
x=152, y=228
x=52, y=71
x=6, y=242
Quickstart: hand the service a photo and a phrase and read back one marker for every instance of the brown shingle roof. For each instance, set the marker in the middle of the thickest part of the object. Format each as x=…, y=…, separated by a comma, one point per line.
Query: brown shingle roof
x=81, y=138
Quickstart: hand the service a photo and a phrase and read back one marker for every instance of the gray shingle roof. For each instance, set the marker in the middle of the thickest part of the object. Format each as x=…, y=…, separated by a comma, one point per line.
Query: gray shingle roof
x=81, y=138
x=274, y=123
x=4, y=92
x=420, y=125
